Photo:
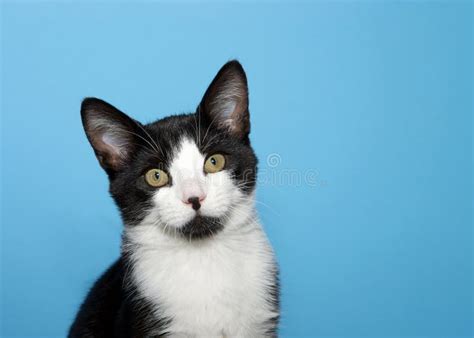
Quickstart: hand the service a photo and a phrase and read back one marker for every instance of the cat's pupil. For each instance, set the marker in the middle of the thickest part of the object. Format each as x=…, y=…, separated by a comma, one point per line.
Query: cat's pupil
x=157, y=175
x=213, y=161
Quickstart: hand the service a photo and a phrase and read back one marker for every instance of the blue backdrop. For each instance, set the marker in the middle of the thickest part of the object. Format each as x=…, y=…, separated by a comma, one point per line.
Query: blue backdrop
x=367, y=106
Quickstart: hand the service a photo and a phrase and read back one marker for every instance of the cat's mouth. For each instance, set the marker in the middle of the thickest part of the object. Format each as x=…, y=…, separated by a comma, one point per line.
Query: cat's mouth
x=201, y=227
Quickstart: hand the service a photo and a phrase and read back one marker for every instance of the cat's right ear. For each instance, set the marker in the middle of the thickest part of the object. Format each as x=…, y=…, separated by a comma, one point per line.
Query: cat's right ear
x=111, y=133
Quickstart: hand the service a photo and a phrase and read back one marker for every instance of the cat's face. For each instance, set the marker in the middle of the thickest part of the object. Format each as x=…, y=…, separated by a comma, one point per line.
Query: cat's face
x=186, y=174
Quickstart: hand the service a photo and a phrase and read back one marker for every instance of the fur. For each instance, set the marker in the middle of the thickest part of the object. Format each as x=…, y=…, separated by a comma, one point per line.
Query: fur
x=185, y=270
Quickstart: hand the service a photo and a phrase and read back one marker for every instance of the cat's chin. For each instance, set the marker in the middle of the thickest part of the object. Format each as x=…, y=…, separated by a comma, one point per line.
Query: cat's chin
x=201, y=227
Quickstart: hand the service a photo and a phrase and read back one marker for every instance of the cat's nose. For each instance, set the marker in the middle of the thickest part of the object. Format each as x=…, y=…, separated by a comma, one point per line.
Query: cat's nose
x=195, y=201
x=193, y=193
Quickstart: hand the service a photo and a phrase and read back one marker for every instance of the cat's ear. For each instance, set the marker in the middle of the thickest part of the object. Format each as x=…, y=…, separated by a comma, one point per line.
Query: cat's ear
x=225, y=103
x=111, y=133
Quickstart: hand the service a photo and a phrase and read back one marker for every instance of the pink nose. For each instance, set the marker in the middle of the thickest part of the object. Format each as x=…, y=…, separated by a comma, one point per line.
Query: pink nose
x=192, y=193
x=195, y=201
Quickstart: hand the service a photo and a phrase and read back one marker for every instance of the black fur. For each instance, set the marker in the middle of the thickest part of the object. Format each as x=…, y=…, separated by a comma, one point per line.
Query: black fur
x=113, y=307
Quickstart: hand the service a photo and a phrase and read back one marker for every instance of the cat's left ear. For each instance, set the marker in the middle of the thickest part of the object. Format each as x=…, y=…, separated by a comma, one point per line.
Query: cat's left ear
x=112, y=134
x=225, y=104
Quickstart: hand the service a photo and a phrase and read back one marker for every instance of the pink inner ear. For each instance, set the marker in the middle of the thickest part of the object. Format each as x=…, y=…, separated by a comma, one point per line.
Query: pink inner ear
x=228, y=108
x=226, y=99
x=111, y=149
x=114, y=143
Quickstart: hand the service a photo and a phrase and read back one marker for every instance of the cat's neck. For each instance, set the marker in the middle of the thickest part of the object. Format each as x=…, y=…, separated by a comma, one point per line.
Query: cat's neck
x=212, y=285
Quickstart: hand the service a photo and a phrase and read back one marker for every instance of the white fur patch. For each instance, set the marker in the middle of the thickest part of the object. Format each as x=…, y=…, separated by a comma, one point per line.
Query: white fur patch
x=214, y=287
x=188, y=178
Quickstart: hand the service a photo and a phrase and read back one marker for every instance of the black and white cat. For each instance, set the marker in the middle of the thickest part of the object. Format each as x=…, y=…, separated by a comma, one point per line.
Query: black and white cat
x=195, y=261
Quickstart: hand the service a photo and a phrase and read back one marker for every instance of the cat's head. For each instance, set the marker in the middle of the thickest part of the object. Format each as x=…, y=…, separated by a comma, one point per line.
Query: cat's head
x=189, y=175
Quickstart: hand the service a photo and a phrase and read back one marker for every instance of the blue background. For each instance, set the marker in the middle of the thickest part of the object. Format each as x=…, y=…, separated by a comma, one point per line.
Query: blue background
x=375, y=97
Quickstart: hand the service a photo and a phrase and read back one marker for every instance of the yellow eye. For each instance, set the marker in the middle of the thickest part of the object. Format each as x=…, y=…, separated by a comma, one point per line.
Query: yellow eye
x=214, y=163
x=156, y=177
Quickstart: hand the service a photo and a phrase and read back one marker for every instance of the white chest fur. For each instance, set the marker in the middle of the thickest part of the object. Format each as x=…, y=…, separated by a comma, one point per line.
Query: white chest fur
x=213, y=288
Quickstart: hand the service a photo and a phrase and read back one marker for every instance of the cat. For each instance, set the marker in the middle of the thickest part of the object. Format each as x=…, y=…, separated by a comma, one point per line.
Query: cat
x=195, y=261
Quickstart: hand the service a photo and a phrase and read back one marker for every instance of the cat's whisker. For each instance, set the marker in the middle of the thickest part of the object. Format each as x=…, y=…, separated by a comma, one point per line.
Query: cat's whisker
x=199, y=127
x=212, y=139
x=261, y=203
x=155, y=150
x=209, y=127
x=195, y=126
x=149, y=136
